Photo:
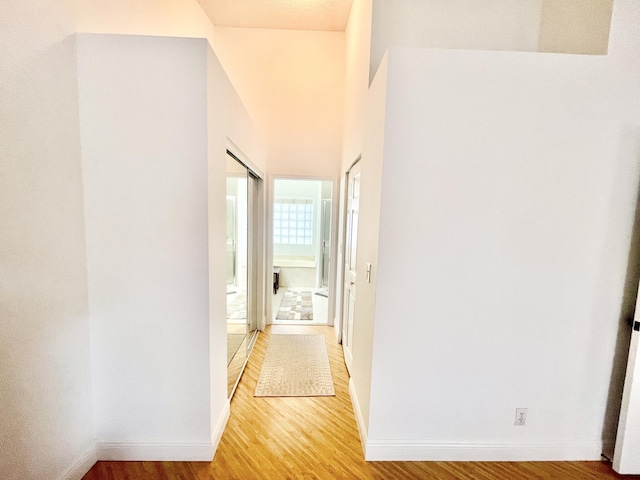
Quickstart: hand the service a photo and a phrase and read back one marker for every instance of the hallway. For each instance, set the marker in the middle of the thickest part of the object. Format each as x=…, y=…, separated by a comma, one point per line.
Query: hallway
x=317, y=438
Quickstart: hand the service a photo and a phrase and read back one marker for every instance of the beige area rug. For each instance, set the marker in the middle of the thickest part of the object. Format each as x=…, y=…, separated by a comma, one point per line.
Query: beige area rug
x=296, y=305
x=234, y=340
x=295, y=366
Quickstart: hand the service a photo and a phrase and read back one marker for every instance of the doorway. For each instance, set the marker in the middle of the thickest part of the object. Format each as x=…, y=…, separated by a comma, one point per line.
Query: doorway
x=302, y=250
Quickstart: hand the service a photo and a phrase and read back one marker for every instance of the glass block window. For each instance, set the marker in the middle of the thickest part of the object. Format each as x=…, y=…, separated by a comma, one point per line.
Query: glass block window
x=293, y=221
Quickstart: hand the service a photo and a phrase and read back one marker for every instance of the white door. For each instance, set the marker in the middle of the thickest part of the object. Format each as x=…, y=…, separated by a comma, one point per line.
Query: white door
x=626, y=458
x=350, y=259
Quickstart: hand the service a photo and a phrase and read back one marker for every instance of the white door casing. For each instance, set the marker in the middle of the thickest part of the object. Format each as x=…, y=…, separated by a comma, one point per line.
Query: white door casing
x=626, y=458
x=350, y=262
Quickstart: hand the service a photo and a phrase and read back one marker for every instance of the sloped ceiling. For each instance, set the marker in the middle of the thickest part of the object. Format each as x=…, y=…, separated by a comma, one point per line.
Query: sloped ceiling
x=331, y=15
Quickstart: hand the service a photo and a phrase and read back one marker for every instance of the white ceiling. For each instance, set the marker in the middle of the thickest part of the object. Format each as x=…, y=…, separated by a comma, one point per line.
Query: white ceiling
x=329, y=15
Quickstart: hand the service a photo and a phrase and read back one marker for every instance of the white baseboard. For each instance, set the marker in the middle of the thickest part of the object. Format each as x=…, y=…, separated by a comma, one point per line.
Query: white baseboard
x=81, y=466
x=168, y=452
x=362, y=429
x=377, y=450
x=216, y=435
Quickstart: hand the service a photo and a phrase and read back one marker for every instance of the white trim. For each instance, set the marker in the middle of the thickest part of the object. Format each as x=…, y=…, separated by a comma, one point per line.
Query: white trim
x=362, y=429
x=168, y=452
x=218, y=430
x=180, y=452
x=233, y=148
x=81, y=466
x=340, y=273
x=414, y=451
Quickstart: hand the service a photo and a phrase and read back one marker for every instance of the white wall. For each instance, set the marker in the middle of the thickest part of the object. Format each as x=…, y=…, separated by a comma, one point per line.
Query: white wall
x=46, y=424
x=368, y=235
x=292, y=83
x=357, y=47
x=468, y=24
x=177, y=18
x=144, y=143
x=157, y=116
x=525, y=170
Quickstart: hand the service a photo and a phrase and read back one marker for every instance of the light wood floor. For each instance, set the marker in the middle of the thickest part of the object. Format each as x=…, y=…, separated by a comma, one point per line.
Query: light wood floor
x=316, y=438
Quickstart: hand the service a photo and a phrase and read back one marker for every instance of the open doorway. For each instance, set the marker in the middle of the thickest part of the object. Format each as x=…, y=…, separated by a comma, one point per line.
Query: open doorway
x=302, y=251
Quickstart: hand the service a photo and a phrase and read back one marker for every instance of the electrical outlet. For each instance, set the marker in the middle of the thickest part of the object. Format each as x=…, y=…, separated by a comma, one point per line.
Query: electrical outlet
x=521, y=416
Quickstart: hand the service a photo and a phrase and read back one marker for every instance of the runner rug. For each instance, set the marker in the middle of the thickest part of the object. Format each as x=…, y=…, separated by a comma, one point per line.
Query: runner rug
x=295, y=366
x=296, y=305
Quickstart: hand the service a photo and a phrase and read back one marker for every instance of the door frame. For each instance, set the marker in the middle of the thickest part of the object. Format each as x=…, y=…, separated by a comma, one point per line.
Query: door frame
x=625, y=458
x=346, y=295
x=340, y=324
x=331, y=305
x=322, y=271
x=257, y=242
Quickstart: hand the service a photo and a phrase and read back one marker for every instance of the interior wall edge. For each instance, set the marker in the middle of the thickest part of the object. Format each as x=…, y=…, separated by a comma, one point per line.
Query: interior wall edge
x=220, y=426
x=362, y=426
x=82, y=465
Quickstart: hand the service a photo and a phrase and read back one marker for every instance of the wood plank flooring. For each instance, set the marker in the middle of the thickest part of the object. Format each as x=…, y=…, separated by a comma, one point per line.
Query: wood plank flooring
x=317, y=438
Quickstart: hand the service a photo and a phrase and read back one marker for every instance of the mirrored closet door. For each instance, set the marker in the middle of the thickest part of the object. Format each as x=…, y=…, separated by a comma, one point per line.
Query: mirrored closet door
x=241, y=208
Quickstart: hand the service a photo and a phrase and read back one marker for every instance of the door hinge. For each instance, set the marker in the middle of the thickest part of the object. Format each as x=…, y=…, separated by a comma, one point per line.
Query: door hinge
x=634, y=324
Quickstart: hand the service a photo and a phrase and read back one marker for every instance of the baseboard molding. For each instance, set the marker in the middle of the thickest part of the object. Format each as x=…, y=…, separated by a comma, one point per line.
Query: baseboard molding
x=469, y=452
x=81, y=466
x=168, y=452
x=362, y=429
x=216, y=435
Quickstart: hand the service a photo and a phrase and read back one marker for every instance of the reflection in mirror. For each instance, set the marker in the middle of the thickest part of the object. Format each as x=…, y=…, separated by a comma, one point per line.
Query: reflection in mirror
x=236, y=270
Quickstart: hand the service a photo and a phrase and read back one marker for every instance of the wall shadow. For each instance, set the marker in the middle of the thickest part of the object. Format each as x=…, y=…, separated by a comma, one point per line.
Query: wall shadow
x=631, y=147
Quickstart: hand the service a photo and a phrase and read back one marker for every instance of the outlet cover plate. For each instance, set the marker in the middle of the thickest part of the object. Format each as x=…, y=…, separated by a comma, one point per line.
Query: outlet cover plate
x=521, y=417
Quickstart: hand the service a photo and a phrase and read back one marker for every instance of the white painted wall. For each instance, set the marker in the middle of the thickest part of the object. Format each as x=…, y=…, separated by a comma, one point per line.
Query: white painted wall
x=46, y=424
x=292, y=83
x=461, y=24
x=156, y=115
x=368, y=235
x=183, y=18
x=143, y=120
x=357, y=47
x=509, y=187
